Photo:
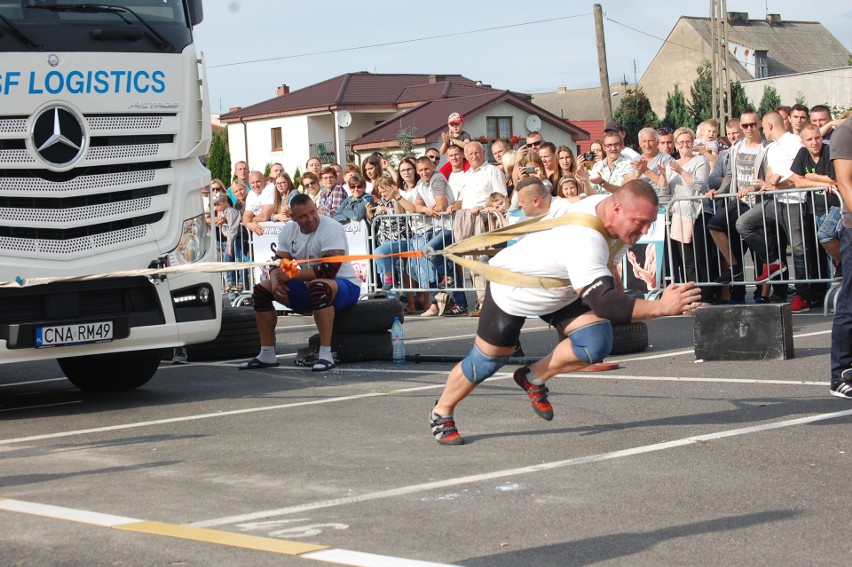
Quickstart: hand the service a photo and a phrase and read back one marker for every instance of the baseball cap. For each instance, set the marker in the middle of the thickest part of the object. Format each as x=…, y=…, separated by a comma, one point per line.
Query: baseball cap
x=220, y=198
x=614, y=126
x=455, y=118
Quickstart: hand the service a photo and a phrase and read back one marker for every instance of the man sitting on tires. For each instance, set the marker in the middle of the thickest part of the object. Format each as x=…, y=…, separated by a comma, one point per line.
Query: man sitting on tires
x=320, y=288
x=582, y=312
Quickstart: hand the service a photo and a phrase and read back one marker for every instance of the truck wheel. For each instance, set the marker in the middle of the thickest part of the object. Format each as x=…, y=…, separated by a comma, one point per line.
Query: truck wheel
x=113, y=372
x=629, y=338
x=368, y=316
x=238, y=337
x=364, y=347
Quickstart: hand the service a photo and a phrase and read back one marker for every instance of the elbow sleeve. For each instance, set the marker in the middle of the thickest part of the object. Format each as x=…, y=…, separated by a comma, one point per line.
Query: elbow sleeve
x=608, y=303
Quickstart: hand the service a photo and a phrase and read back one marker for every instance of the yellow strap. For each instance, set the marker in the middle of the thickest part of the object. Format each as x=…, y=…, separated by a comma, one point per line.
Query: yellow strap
x=481, y=244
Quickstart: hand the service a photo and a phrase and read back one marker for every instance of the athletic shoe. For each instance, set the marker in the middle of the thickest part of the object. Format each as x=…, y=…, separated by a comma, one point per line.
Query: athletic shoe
x=431, y=312
x=771, y=271
x=799, y=305
x=179, y=356
x=455, y=310
x=732, y=274
x=444, y=430
x=843, y=388
x=537, y=394
x=446, y=281
x=387, y=286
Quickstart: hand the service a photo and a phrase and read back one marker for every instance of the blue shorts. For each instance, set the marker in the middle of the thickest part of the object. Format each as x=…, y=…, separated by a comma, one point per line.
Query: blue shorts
x=300, y=300
x=830, y=225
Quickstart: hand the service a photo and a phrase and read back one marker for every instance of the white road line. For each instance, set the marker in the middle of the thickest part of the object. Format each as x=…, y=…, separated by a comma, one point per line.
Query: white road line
x=601, y=376
x=42, y=406
x=451, y=482
x=359, y=559
x=61, y=513
x=31, y=382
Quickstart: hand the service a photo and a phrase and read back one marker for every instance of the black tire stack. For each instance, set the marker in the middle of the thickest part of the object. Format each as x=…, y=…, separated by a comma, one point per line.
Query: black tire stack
x=238, y=337
x=362, y=332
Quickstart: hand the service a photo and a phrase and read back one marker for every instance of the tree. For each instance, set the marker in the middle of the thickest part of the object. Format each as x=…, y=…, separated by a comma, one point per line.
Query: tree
x=701, y=107
x=405, y=140
x=219, y=157
x=769, y=101
x=677, y=113
x=635, y=113
x=740, y=101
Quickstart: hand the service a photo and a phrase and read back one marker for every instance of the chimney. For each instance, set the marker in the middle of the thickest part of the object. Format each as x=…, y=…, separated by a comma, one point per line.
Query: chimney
x=738, y=18
x=773, y=19
x=283, y=90
x=235, y=108
x=562, y=89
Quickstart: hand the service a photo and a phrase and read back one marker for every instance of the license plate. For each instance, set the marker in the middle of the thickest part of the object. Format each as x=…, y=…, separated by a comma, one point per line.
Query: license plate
x=74, y=334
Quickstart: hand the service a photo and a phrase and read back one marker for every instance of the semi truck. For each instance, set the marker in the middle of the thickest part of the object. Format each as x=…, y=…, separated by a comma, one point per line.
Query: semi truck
x=104, y=119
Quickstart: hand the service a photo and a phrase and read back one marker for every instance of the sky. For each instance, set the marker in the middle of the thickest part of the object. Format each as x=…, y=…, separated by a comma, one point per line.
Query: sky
x=253, y=46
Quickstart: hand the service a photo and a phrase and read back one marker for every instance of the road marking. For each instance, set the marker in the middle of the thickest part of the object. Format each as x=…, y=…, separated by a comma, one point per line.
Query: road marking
x=231, y=539
x=31, y=382
x=496, y=377
x=42, y=406
x=448, y=483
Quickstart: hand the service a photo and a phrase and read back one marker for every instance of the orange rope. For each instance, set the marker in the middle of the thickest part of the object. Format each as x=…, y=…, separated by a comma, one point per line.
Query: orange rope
x=291, y=266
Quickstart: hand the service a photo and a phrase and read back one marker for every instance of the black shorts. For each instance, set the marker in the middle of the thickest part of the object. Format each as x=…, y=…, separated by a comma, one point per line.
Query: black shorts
x=500, y=329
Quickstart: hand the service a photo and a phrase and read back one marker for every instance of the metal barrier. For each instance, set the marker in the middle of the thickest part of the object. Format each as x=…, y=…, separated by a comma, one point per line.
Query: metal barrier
x=762, y=228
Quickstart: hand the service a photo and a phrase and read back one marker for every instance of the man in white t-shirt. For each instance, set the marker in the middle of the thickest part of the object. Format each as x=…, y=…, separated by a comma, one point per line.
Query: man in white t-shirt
x=259, y=202
x=320, y=288
x=585, y=255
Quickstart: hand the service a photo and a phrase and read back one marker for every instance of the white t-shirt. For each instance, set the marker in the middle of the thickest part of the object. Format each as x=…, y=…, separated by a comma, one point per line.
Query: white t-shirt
x=329, y=235
x=578, y=253
x=478, y=184
x=255, y=202
x=779, y=158
x=427, y=192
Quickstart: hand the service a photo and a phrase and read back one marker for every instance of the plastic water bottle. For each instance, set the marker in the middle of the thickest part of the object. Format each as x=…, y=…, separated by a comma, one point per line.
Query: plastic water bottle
x=398, y=340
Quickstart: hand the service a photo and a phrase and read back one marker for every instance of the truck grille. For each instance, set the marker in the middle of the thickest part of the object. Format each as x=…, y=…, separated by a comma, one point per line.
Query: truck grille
x=114, y=194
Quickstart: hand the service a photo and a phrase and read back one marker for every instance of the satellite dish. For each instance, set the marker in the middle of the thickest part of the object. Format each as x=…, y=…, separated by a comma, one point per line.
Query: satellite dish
x=533, y=123
x=344, y=119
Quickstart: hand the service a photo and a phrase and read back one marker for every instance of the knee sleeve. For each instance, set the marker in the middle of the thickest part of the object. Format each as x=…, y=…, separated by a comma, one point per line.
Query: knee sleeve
x=477, y=367
x=592, y=342
x=262, y=298
x=321, y=295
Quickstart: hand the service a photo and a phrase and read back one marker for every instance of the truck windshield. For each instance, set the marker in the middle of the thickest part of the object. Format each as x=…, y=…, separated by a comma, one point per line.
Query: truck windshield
x=107, y=25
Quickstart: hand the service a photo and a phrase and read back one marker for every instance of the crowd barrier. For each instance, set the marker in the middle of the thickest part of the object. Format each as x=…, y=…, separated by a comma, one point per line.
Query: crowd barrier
x=662, y=256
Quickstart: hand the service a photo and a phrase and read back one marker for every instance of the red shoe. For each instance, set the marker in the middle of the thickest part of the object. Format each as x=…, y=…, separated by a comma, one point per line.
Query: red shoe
x=800, y=305
x=444, y=430
x=771, y=271
x=537, y=394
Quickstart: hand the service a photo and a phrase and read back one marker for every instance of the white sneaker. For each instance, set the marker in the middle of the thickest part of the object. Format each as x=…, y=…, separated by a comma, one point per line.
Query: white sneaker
x=431, y=312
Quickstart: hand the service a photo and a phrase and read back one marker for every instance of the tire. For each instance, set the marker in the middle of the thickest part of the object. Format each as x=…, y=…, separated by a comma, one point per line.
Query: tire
x=368, y=316
x=238, y=337
x=629, y=338
x=113, y=372
x=363, y=347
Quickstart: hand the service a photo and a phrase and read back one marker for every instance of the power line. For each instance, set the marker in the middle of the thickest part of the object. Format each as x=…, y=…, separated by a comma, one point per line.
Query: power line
x=400, y=42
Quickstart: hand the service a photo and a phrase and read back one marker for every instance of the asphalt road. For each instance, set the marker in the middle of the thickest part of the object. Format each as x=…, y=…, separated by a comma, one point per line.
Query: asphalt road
x=665, y=461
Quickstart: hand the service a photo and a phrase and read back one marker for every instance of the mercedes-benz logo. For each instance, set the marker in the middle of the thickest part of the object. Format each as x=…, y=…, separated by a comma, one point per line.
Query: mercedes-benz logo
x=58, y=136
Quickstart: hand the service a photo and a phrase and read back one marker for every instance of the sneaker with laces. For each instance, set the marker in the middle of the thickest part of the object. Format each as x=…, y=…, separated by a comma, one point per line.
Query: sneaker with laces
x=431, y=312
x=455, y=310
x=537, y=394
x=732, y=274
x=771, y=271
x=799, y=305
x=444, y=429
x=843, y=388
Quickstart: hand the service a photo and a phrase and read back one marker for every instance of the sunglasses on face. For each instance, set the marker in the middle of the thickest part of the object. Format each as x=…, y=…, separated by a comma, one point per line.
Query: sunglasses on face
x=535, y=144
x=748, y=126
x=359, y=186
x=310, y=184
x=433, y=158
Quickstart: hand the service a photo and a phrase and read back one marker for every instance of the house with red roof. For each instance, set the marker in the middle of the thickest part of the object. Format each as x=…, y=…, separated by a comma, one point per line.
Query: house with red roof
x=355, y=114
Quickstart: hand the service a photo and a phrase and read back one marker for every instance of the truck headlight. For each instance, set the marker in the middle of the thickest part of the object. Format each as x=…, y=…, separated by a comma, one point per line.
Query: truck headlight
x=193, y=242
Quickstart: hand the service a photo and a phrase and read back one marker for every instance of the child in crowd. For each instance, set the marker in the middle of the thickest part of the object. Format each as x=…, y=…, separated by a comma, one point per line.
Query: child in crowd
x=454, y=135
x=228, y=220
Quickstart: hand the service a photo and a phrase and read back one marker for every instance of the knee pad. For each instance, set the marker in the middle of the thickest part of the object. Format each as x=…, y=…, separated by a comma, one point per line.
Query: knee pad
x=320, y=293
x=262, y=298
x=477, y=367
x=592, y=342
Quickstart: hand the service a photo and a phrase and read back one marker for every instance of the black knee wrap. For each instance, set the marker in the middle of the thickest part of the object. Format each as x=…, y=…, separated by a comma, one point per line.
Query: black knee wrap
x=262, y=298
x=320, y=293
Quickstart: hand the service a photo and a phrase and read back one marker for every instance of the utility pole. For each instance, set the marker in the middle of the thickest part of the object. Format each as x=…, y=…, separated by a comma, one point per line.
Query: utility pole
x=604, y=74
x=722, y=103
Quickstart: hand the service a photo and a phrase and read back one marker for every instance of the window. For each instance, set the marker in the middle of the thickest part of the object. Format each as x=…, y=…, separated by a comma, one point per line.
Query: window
x=277, y=143
x=498, y=126
x=761, y=65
